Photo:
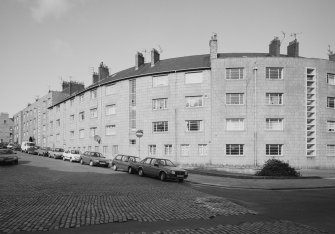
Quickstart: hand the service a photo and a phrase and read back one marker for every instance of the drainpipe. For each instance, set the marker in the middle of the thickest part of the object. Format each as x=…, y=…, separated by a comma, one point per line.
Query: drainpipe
x=255, y=115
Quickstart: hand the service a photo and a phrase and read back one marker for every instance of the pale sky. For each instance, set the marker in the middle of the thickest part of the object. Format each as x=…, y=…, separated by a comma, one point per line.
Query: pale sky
x=44, y=41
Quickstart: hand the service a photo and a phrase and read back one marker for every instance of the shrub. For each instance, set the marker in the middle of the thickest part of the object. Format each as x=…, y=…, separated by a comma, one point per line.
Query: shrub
x=275, y=167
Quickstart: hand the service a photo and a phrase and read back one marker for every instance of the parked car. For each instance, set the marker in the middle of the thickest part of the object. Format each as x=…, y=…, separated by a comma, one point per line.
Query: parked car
x=161, y=168
x=56, y=153
x=32, y=150
x=16, y=147
x=7, y=156
x=43, y=151
x=122, y=162
x=94, y=159
x=72, y=155
x=25, y=146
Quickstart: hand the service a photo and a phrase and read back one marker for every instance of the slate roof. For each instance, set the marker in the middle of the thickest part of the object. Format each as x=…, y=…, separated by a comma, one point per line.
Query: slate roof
x=186, y=63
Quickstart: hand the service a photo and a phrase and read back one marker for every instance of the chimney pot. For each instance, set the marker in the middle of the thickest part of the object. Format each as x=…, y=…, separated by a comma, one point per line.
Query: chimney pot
x=274, y=47
x=154, y=57
x=139, y=60
x=293, y=49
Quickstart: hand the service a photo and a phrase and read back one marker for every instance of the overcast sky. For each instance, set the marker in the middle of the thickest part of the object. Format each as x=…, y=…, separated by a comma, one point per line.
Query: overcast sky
x=45, y=41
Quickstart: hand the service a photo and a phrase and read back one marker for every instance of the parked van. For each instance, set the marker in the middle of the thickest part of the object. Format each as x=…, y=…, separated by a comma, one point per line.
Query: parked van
x=25, y=146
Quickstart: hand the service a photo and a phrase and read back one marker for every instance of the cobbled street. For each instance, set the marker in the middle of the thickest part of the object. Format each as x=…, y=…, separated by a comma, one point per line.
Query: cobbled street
x=48, y=195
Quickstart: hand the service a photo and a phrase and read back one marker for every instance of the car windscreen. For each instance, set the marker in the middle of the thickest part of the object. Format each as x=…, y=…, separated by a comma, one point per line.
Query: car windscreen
x=166, y=162
x=134, y=159
x=30, y=144
x=75, y=152
x=59, y=150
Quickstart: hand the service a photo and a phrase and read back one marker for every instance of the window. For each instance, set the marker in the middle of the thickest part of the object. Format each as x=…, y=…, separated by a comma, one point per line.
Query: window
x=94, y=94
x=158, y=81
x=274, y=98
x=274, y=73
x=93, y=131
x=96, y=148
x=105, y=150
x=57, y=109
x=81, y=133
x=234, y=149
x=331, y=79
x=71, y=102
x=331, y=126
x=152, y=150
x=159, y=104
x=110, y=130
x=167, y=150
x=185, y=149
x=194, y=125
x=161, y=126
x=193, y=77
x=71, y=117
x=275, y=124
x=51, y=124
x=194, y=101
x=235, y=124
x=109, y=89
x=202, y=149
x=234, y=98
x=57, y=137
x=115, y=149
x=110, y=109
x=331, y=102
x=235, y=73
x=58, y=122
x=94, y=113
x=89, y=148
x=71, y=134
x=81, y=116
x=44, y=128
x=81, y=98
x=274, y=149
x=330, y=150
x=132, y=141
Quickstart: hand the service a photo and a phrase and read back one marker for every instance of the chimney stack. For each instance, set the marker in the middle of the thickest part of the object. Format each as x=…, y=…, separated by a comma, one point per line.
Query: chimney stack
x=95, y=77
x=293, y=49
x=332, y=57
x=154, y=57
x=139, y=60
x=103, y=71
x=274, y=47
x=213, y=47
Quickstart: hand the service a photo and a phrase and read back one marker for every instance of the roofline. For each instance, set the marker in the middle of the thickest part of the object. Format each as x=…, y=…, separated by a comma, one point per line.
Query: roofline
x=127, y=78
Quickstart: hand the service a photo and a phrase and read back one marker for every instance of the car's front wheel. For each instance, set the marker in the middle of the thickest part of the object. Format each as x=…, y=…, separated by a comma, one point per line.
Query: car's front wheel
x=162, y=176
x=91, y=163
x=130, y=170
x=140, y=172
x=114, y=167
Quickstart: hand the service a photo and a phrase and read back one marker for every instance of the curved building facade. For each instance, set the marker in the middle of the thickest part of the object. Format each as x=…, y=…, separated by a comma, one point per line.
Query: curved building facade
x=217, y=108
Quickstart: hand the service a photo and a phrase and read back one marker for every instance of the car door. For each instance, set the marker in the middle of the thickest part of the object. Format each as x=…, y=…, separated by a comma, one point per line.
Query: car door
x=146, y=166
x=154, y=168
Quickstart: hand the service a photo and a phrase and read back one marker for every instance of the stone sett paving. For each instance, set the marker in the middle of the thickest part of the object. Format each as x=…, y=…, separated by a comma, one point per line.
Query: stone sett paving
x=36, y=198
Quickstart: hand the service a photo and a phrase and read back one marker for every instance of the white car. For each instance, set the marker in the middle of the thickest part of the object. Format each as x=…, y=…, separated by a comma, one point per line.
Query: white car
x=72, y=155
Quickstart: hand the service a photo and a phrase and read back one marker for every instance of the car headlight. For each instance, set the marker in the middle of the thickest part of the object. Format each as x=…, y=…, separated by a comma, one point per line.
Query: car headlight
x=173, y=172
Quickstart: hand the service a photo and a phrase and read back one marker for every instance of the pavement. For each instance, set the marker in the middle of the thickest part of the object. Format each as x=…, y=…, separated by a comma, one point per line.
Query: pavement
x=310, y=179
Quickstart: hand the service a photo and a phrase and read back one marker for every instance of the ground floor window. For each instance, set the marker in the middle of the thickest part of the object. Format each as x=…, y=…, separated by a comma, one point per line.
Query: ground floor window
x=167, y=150
x=105, y=150
x=202, y=149
x=185, y=149
x=96, y=148
x=330, y=150
x=234, y=149
x=152, y=150
x=274, y=149
x=89, y=148
x=115, y=149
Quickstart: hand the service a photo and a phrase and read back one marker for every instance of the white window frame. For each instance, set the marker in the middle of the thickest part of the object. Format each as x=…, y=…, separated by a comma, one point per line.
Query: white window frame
x=81, y=98
x=159, y=104
x=194, y=101
x=235, y=73
x=330, y=149
x=168, y=150
x=82, y=133
x=235, y=124
x=160, y=126
x=230, y=96
x=160, y=81
x=94, y=94
x=271, y=99
x=203, y=149
x=272, y=147
x=93, y=131
x=105, y=150
x=94, y=113
x=274, y=124
x=190, y=125
x=152, y=150
x=274, y=73
x=184, y=150
x=331, y=102
x=110, y=129
x=330, y=79
x=110, y=109
x=71, y=134
x=234, y=149
x=194, y=77
x=82, y=116
x=331, y=126
x=72, y=117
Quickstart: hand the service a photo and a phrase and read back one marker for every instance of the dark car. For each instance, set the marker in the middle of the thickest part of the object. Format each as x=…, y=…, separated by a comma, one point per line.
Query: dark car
x=32, y=150
x=94, y=159
x=7, y=156
x=43, y=151
x=161, y=168
x=122, y=162
x=56, y=153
